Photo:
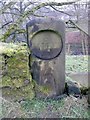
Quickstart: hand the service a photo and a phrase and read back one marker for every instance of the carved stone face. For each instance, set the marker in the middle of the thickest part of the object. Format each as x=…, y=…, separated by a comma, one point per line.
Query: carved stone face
x=46, y=44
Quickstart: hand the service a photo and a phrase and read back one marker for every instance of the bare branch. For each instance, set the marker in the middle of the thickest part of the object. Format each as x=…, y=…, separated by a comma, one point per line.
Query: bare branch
x=50, y=4
x=78, y=27
x=43, y=5
x=30, y=12
x=38, y=15
x=28, y=4
x=60, y=11
x=5, y=7
x=15, y=9
x=10, y=13
x=5, y=24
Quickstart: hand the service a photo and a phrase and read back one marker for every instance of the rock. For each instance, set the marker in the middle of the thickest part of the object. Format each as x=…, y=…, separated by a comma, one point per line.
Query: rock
x=84, y=90
x=26, y=82
x=80, y=77
x=73, y=88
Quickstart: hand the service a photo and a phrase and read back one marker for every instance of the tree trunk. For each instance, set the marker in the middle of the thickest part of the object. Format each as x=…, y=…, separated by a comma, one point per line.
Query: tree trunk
x=86, y=47
x=83, y=46
x=89, y=48
x=68, y=49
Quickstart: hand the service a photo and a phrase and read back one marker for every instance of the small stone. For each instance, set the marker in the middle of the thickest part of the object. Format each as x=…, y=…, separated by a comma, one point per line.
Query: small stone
x=26, y=82
x=73, y=88
x=76, y=95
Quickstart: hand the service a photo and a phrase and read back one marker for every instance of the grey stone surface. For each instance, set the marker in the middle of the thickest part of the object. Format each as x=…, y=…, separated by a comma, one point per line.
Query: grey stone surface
x=49, y=73
x=81, y=77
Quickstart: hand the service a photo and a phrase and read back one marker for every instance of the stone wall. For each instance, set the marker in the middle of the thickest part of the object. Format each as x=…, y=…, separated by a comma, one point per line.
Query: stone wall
x=16, y=81
x=15, y=77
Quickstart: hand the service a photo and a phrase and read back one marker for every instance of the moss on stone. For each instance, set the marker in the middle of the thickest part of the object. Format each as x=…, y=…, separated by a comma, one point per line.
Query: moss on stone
x=16, y=72
x=44, y=90
x=6, y=81
x=17, y=75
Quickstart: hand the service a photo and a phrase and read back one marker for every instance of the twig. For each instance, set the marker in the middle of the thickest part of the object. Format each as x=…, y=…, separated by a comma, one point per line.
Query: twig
x=60, y=11
x=78, y=27
x=10, y=13
x=43, y=5
x=5, y=24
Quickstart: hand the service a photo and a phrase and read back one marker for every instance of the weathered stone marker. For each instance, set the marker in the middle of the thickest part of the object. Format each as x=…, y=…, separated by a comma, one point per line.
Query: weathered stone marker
x=46, y=40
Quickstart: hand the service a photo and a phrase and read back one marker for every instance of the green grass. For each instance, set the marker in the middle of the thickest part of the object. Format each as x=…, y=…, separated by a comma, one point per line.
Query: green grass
x=37, y=106
x=76, y=63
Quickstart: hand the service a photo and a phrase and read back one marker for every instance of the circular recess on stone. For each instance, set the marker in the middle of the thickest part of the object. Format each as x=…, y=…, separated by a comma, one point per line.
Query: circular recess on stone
x=46, y=44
